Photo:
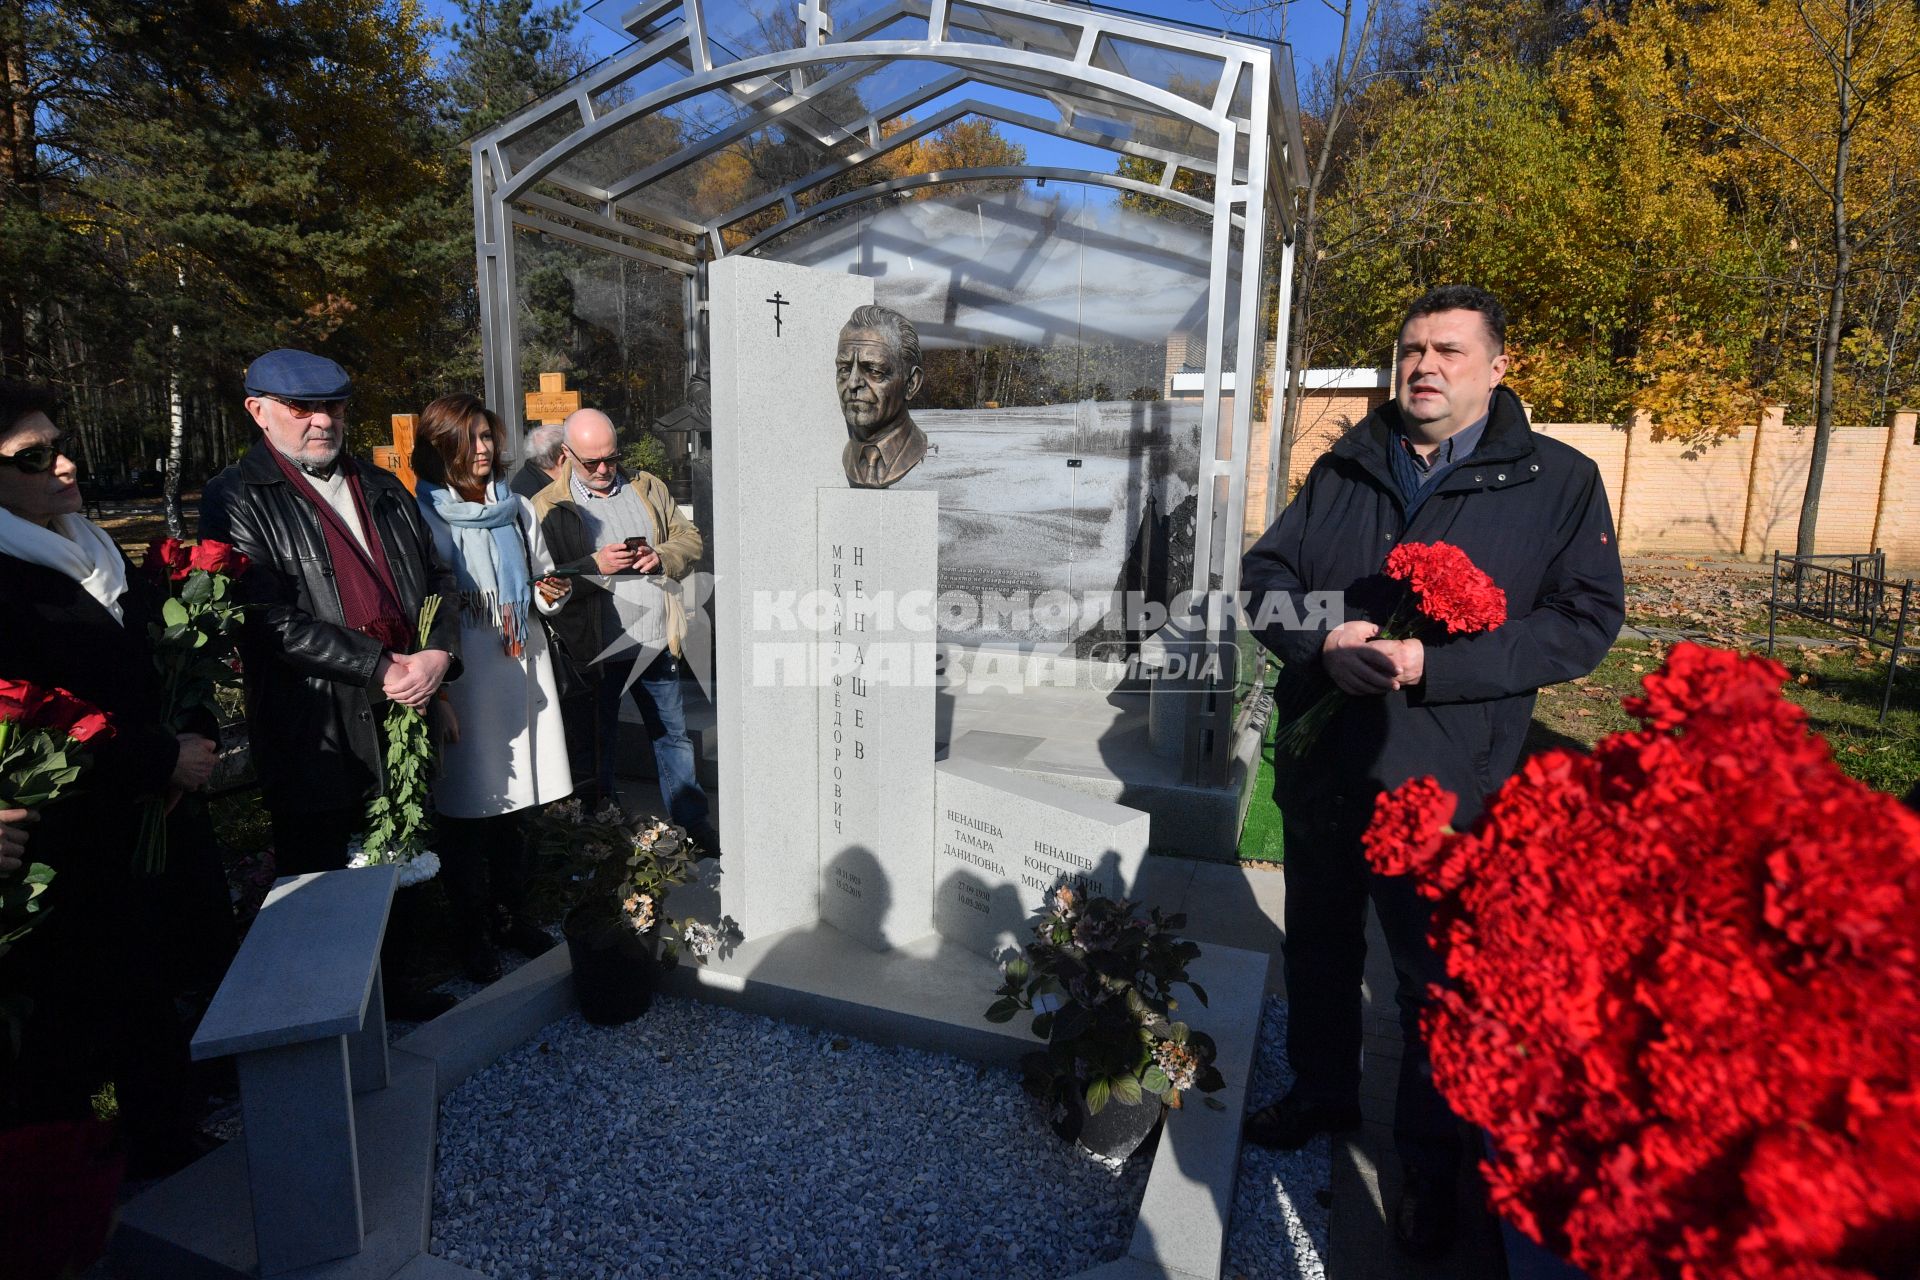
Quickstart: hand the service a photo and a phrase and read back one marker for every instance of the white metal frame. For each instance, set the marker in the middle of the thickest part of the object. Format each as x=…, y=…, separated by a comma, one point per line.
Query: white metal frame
x=770, y=88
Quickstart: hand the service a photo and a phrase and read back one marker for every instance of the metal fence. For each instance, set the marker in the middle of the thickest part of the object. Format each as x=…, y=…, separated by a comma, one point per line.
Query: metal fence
x=1851, y=594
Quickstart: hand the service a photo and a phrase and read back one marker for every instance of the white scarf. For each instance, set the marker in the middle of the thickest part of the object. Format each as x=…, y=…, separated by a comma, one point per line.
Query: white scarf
x=85, y=553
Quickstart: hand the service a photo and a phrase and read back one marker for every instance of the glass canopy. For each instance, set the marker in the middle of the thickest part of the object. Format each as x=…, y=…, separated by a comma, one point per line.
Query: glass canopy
x=1074, y=205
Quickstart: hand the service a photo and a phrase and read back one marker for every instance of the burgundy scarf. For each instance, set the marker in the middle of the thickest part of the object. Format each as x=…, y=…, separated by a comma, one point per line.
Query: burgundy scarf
x=369, y=598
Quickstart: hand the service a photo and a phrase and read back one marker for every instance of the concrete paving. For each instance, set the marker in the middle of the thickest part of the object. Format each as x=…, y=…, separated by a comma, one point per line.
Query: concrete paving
x=1244, y=906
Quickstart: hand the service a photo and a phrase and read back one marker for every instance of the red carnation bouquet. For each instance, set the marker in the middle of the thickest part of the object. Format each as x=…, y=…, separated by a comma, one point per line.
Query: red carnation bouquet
x=1445, y=591
x=1685, y=989
x=44, y=734
x=193, y=645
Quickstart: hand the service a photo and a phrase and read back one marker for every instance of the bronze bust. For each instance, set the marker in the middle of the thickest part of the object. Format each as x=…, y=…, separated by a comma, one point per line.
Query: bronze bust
x=878, y=372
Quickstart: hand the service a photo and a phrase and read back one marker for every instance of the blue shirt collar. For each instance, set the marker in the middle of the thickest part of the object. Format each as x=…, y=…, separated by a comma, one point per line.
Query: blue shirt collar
x=1455, y=448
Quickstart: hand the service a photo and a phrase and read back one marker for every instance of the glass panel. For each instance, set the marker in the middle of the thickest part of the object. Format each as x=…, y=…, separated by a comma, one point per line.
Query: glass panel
x=1241, y=107
x=1064, y=453
x=533, y=143
x=1132, y=123
x=657, y=76
x=612, y=325
x=1193, y=76
x=971, y=25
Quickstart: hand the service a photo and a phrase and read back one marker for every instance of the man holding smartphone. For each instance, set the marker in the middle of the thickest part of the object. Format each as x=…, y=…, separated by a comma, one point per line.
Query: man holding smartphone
x=628, y=535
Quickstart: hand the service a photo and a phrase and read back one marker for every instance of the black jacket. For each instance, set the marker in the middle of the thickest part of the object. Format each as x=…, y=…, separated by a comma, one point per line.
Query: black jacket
x=1530, y=511
x=55, y=634
x=311, y=699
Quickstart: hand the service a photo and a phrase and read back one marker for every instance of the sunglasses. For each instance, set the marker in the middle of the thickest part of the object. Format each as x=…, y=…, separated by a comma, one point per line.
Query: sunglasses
x=35, y=459
x=307, y=408
x=594, y=464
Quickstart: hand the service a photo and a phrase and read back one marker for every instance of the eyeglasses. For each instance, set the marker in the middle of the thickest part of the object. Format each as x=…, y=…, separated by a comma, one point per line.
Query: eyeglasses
x=35, y=459
x=595, y=464
x=307, y=408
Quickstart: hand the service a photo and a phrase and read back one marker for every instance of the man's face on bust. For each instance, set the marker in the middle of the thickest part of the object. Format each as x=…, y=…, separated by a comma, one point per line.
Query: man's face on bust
x=874, y=381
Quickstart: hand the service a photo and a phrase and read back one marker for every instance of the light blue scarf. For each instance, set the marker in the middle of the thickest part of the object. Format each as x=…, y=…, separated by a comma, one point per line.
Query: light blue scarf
x=489, y=560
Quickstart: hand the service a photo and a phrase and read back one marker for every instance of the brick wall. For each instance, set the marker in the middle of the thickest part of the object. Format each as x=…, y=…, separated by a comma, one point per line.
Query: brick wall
x=1325, y=414
x=1738, y=497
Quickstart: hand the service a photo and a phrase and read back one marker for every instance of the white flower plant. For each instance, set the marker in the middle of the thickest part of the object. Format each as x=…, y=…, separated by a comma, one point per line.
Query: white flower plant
x=1099, y=981
x=621, y=873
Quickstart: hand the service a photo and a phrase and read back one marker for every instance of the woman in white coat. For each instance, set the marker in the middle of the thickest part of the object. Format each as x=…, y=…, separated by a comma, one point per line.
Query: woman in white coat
x=507, y=752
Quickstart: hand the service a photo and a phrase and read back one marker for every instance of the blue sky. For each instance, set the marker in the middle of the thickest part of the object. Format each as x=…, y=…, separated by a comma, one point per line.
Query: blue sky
x=1312, y=28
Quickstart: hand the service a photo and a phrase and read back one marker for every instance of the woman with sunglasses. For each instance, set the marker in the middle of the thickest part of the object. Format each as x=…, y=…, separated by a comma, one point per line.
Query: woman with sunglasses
x=96, y=969
x=509, y=750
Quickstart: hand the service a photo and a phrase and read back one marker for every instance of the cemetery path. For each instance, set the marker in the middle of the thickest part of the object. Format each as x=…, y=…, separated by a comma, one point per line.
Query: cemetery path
x=1243, y=906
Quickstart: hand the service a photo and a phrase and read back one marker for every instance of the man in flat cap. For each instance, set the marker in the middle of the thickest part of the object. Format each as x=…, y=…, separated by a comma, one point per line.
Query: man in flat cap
x=341, y=564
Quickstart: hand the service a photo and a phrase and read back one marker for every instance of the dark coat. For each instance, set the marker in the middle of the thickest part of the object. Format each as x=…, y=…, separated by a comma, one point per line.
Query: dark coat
x=309, y=680
x=56, y=634
x=1530, y=511
x=528, y=481
x=95, y=972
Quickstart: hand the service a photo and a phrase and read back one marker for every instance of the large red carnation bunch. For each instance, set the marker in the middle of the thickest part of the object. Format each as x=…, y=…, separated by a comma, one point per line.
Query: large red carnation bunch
x=1451, y=589
x=1685, y=994
x=1445, y=588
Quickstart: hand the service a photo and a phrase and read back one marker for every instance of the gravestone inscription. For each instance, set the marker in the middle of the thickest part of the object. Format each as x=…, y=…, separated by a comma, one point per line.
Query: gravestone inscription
x=1004, y=841
x=875, y=745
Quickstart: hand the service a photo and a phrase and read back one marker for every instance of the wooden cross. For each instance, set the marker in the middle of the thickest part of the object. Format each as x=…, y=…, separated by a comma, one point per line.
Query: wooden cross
x=551, y=404
x=398, y=456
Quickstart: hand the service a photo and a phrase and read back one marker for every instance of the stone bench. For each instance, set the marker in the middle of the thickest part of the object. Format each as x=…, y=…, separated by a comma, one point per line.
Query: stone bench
x=302, y=1013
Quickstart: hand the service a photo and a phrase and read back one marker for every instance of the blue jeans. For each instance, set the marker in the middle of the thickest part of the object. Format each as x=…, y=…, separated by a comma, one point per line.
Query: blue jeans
x=657, y=694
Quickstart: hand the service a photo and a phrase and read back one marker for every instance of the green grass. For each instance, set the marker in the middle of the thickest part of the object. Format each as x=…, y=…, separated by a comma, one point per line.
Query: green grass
x=1260, y=837
x=1838, y=687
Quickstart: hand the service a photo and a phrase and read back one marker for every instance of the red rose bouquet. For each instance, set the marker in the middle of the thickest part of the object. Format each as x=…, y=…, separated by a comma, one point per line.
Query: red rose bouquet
x=1445, y=590
x=1685, y=989
x=44, y=734
x=193, y=645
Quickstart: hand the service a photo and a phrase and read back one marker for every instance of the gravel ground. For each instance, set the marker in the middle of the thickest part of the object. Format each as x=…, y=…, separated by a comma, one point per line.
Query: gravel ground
x=1280, y=1199
x=601, y=1152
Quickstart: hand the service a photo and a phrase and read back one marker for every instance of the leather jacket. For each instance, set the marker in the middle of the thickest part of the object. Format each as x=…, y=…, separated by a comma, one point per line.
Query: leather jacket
x=311, y=697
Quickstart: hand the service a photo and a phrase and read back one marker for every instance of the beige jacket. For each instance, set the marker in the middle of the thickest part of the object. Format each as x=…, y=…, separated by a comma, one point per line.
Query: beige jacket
x=679, y=545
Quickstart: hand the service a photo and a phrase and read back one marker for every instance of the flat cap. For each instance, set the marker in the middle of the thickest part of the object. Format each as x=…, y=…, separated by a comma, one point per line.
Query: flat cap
x=298, y=375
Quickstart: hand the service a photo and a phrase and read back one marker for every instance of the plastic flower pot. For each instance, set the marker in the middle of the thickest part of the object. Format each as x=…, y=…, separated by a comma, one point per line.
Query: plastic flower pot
x=615, y=971
x=1117, y=1131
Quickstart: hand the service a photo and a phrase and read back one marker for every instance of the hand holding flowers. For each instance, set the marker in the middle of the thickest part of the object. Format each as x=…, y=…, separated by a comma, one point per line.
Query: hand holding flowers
x=1445, y=591
x=44, y=736
x=193, y=647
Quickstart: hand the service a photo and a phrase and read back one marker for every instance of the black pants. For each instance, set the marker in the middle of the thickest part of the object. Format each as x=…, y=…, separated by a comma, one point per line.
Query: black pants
x=1328, y=885
x=484, y=865
x=317, y=841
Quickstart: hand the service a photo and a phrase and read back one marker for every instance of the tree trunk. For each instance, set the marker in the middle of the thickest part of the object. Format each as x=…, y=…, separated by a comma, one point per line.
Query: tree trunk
x=1804, y=540
x=18, y=172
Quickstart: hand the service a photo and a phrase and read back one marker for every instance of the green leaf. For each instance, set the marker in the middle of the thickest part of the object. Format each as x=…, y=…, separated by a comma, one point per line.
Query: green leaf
x=1154, y=1080
x=1043, y=1025
x=1002, y=1011
x=174, y=614
x=198, y=591
x=1126, y=1089
x=1098, y=1090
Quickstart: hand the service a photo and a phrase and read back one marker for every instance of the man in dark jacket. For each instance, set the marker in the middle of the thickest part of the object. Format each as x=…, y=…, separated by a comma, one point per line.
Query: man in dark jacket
x=1450, y=459
x=341, y=565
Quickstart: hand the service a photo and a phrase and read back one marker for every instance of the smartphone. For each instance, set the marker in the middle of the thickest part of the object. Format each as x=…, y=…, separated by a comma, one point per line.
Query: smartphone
x=636, y=543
